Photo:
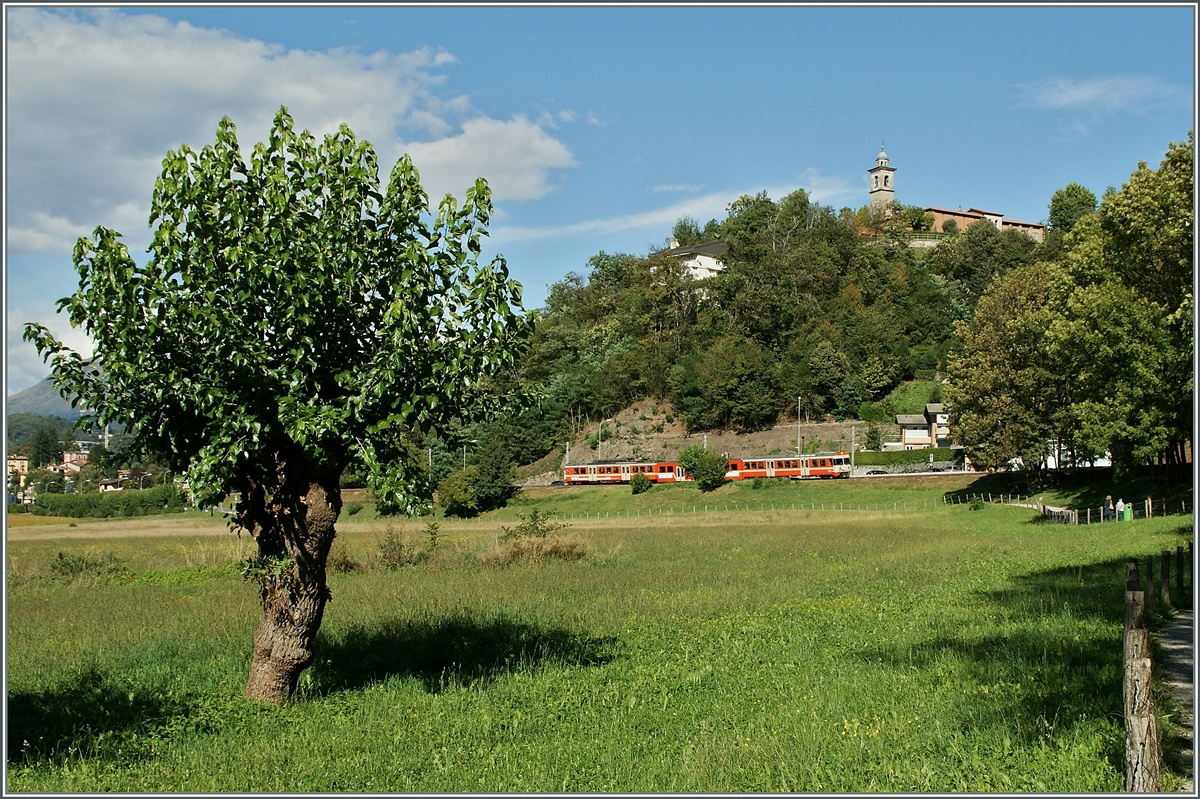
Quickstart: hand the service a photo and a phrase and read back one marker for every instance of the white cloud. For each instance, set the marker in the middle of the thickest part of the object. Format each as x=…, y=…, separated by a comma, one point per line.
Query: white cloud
x=96, y=98
x=707, y=206
x=690, y=188
x=823, y=189
x=515, y=156
x=713, y=205
x=25, y=367
x=1133, y=94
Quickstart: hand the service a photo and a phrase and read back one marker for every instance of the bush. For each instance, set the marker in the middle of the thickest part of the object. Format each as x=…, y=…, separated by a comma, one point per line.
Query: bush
x=160, y=499
x=532, y=549
x=976, y=503
x=707, y=466
x=535, y=525
x=899, y=457
x=493, y=485
x=393, y=552
x=758, y=483
x=340, y=561
x=640, y=483
x=79, y=567
x=881, y=411
x=456, y=494
x=352, y=508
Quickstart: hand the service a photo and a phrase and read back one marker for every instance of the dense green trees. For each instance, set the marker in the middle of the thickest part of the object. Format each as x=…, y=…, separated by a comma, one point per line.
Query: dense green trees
x=807, y=307
x=1092, y=348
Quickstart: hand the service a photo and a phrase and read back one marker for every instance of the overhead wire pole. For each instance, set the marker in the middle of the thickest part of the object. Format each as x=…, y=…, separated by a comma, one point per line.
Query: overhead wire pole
x=798, y=426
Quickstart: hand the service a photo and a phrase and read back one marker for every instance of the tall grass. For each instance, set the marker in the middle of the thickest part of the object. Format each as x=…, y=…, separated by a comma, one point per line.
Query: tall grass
x=948, y=651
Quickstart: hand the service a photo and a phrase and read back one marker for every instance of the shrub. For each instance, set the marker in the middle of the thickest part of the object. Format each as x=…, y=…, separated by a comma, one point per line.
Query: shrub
x=898, y=457
x=640, y=483
x=160, y=499
x=535, y=525
x=493, y=485
x=393, y=552
x=707, y=466
x=340, y=561
x=976, y=503
x=432, y=530
x=80, y=567
x=757, y=483
x=532, y=549
x=352, y=508
x=456, y=494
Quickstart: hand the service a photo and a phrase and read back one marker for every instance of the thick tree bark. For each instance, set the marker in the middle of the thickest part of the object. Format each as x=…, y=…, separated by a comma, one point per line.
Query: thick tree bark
x=301, y=527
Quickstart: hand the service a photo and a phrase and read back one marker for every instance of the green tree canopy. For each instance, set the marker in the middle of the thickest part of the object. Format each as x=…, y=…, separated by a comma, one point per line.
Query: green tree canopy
x=294, y=316
x=1069, y=204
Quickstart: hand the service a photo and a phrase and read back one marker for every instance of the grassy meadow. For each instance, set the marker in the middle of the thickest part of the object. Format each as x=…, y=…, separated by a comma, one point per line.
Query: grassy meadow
x=901, y=645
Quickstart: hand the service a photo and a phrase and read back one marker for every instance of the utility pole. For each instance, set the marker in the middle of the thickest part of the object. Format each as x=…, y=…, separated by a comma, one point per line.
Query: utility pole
x=852, y=449
x=798, y=426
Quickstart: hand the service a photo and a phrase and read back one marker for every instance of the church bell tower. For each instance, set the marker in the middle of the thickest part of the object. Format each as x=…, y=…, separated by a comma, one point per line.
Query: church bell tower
x=883, y=182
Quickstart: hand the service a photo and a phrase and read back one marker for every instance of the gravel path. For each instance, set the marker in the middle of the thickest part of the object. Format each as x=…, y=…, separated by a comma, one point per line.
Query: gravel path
x=1177, y=640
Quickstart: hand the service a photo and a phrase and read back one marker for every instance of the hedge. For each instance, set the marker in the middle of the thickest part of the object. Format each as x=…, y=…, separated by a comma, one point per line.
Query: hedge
x=902, y=456
x=161, y=499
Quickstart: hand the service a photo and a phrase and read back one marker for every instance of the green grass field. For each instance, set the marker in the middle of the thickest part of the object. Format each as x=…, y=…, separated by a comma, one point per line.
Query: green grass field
x=902, y=645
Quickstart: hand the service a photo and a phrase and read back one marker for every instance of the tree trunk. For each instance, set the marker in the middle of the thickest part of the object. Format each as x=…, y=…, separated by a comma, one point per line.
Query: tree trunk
x=302, y=528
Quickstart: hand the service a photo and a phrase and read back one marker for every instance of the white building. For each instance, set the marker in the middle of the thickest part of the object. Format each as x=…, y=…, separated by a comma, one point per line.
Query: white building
x=702, y=260
x=921, y=431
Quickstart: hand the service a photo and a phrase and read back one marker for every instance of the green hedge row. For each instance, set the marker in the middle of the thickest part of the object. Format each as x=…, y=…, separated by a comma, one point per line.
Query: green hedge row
x=161, y=499
x=902, y=456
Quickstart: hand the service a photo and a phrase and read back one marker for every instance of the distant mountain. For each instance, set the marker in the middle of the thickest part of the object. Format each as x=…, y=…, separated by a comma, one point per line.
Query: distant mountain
x=43, y=400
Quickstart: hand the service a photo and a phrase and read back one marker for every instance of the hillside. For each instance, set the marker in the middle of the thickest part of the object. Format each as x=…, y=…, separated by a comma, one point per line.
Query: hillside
x=41, y=400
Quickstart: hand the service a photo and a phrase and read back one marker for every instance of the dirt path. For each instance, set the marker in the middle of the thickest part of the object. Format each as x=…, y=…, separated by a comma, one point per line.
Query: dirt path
x=1177, y=640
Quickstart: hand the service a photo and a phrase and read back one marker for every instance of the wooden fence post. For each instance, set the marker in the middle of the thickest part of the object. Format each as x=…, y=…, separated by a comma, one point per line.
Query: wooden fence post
x=1149, y=508
x=1179, y=571
x=1142, y=751
x=1149, y=584
x=1166, y=577
x=1141, y=730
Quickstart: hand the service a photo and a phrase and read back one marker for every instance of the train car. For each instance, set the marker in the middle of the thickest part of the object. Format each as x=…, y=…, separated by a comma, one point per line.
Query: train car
x=811, y=466
x=622, y=472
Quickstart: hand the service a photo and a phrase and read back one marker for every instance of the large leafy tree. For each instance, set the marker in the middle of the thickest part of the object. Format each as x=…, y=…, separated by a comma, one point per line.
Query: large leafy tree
x=1069, y=204
x=293, y=317
x=1005, y=386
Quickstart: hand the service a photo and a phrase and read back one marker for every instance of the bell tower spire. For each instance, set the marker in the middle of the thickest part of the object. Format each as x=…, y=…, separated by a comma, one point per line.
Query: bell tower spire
x=883, y=181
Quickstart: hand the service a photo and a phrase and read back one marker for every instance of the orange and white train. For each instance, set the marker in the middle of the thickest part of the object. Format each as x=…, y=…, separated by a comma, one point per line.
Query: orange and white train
x=812, y=466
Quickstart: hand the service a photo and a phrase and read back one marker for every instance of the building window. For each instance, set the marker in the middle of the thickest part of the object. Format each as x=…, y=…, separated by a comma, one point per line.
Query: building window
x=885, y=180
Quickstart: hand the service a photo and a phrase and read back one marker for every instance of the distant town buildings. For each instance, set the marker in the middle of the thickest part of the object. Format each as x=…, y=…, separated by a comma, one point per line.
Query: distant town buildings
x=20, y=465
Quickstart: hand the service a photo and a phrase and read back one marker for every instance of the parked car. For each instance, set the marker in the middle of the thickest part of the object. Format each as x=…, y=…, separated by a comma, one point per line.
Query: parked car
x=937, y=470
x=877, y=471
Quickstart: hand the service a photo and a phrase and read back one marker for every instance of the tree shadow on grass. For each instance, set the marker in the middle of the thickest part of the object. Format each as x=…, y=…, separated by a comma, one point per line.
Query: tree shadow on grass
x=1084, y=487
x=1031, y=676
x=447, y=651
x=89, y=716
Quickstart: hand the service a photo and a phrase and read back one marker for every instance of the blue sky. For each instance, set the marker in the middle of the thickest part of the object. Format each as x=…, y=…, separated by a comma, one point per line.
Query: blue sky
x=597, y=127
